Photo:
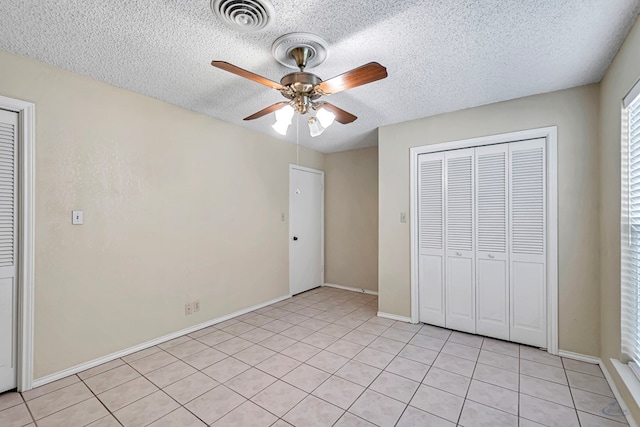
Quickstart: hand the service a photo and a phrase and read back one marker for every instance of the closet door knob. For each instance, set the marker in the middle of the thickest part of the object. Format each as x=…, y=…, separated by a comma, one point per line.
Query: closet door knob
x=491, y=256
x=459, y=253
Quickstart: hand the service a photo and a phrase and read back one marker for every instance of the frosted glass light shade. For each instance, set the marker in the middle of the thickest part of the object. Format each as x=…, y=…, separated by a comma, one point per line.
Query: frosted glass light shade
x=285, y=114
x=326, y=117
x=281, y=127
x=315, y=128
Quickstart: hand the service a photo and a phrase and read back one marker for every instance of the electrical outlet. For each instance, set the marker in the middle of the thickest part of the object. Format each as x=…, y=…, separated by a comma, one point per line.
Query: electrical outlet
x=196, y=306
x=188, y=309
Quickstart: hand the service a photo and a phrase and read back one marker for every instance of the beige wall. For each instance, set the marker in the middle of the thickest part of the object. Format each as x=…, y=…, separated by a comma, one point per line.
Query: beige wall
x=178, y=206
x=621, y=76
x=575, y=113
x=351, y=218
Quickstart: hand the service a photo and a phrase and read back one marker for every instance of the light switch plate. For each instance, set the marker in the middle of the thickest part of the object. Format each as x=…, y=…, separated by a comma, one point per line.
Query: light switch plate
x=403, y=217
x=77, y=217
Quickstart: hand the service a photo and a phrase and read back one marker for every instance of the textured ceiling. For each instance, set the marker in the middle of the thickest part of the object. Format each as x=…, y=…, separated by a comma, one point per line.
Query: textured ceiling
x=441, y=55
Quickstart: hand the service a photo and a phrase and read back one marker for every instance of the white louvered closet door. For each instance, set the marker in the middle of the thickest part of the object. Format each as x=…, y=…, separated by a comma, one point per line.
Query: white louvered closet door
x=8, y=233
x=527, y=194
x=460, y=254
x=492, y=269
x=431, y=238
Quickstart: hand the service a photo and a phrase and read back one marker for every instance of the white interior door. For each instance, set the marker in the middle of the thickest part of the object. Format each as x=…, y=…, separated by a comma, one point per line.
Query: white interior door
x=306, y=239
x=527, y=194
x=8, y=250
x=492, y=277
x=431, y=236
x=460, y=253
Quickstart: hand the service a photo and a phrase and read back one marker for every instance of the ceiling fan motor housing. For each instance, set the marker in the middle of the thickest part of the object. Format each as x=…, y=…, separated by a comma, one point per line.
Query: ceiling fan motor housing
x=301, y=82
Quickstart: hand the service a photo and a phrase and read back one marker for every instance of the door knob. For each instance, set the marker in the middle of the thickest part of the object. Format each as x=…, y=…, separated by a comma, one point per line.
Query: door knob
x=491, y=256
x=459, y=253
x=295, y=238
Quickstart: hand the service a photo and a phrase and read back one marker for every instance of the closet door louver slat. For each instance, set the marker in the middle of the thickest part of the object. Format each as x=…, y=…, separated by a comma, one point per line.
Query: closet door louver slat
x=431, y=235
x=7, y=192
x=492, y=278
x=459, y=224
x=431, y=204
x=527, y=194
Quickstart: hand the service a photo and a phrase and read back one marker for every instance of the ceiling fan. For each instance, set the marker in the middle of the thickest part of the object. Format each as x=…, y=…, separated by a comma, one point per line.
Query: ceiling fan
x=303, y=91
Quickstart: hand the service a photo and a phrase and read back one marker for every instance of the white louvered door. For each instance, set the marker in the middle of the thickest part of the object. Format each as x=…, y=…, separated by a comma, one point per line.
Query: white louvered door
x=527, y=194
x=460, y=253
x=431, y=237
x=492, y=277
x=8, y=233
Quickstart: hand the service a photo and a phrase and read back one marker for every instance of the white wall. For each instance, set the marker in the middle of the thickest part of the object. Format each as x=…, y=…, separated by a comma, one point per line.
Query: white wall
x=351, y=218
x=177, y=207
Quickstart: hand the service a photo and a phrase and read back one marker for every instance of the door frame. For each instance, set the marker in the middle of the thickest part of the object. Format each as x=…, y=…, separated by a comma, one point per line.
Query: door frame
x=551, y=135
x=26, y=236
x=321, y=173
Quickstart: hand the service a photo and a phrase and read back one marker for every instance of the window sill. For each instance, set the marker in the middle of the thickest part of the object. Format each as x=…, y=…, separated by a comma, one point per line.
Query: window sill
x=629, y=379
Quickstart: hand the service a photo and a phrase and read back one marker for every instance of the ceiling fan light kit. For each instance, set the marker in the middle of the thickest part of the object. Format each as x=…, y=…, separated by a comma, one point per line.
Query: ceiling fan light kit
x=283, y=119
x=315, y=127
x=303, y=89
x=326, y=117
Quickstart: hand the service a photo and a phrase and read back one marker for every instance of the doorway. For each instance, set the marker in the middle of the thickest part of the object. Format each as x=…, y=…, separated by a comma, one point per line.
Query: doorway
x=306, y=229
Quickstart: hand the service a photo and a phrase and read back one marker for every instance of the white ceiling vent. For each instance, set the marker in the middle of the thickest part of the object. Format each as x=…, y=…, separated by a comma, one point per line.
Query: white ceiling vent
x=244, y=15
x=317, y=46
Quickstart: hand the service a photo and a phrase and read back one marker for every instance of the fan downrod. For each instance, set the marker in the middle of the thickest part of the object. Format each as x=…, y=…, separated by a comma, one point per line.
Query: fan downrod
x=301, y=54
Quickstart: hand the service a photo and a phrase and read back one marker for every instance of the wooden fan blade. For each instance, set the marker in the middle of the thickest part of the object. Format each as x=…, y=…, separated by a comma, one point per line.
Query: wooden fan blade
x=246, y=74
x=357, y=77
x=265, y=111
x=342, y=116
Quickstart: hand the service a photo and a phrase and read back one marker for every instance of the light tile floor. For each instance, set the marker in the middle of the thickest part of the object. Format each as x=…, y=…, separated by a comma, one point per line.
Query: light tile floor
x=323, y=358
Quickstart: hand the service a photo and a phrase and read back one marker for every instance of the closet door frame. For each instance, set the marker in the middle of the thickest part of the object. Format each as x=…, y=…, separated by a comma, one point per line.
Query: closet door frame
x=551, y=136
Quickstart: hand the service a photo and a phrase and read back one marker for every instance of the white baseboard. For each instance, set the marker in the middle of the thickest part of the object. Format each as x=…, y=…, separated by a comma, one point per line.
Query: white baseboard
x=394, y=317
x=578, y=356
x=87, y=365
x=349, y=288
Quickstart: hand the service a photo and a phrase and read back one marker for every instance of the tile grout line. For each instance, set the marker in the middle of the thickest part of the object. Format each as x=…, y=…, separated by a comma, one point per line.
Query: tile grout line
x=423, y=378
x=300, y=307
x=98, y=399
x=80, y=380
x=330, y=374
x=333, y=374
x=277, y=379
x=137, y=400
x=377, y=376
x=475, y=366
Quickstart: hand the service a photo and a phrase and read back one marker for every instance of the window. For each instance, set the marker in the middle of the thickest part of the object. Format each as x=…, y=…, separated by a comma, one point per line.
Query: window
x=630, y=228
